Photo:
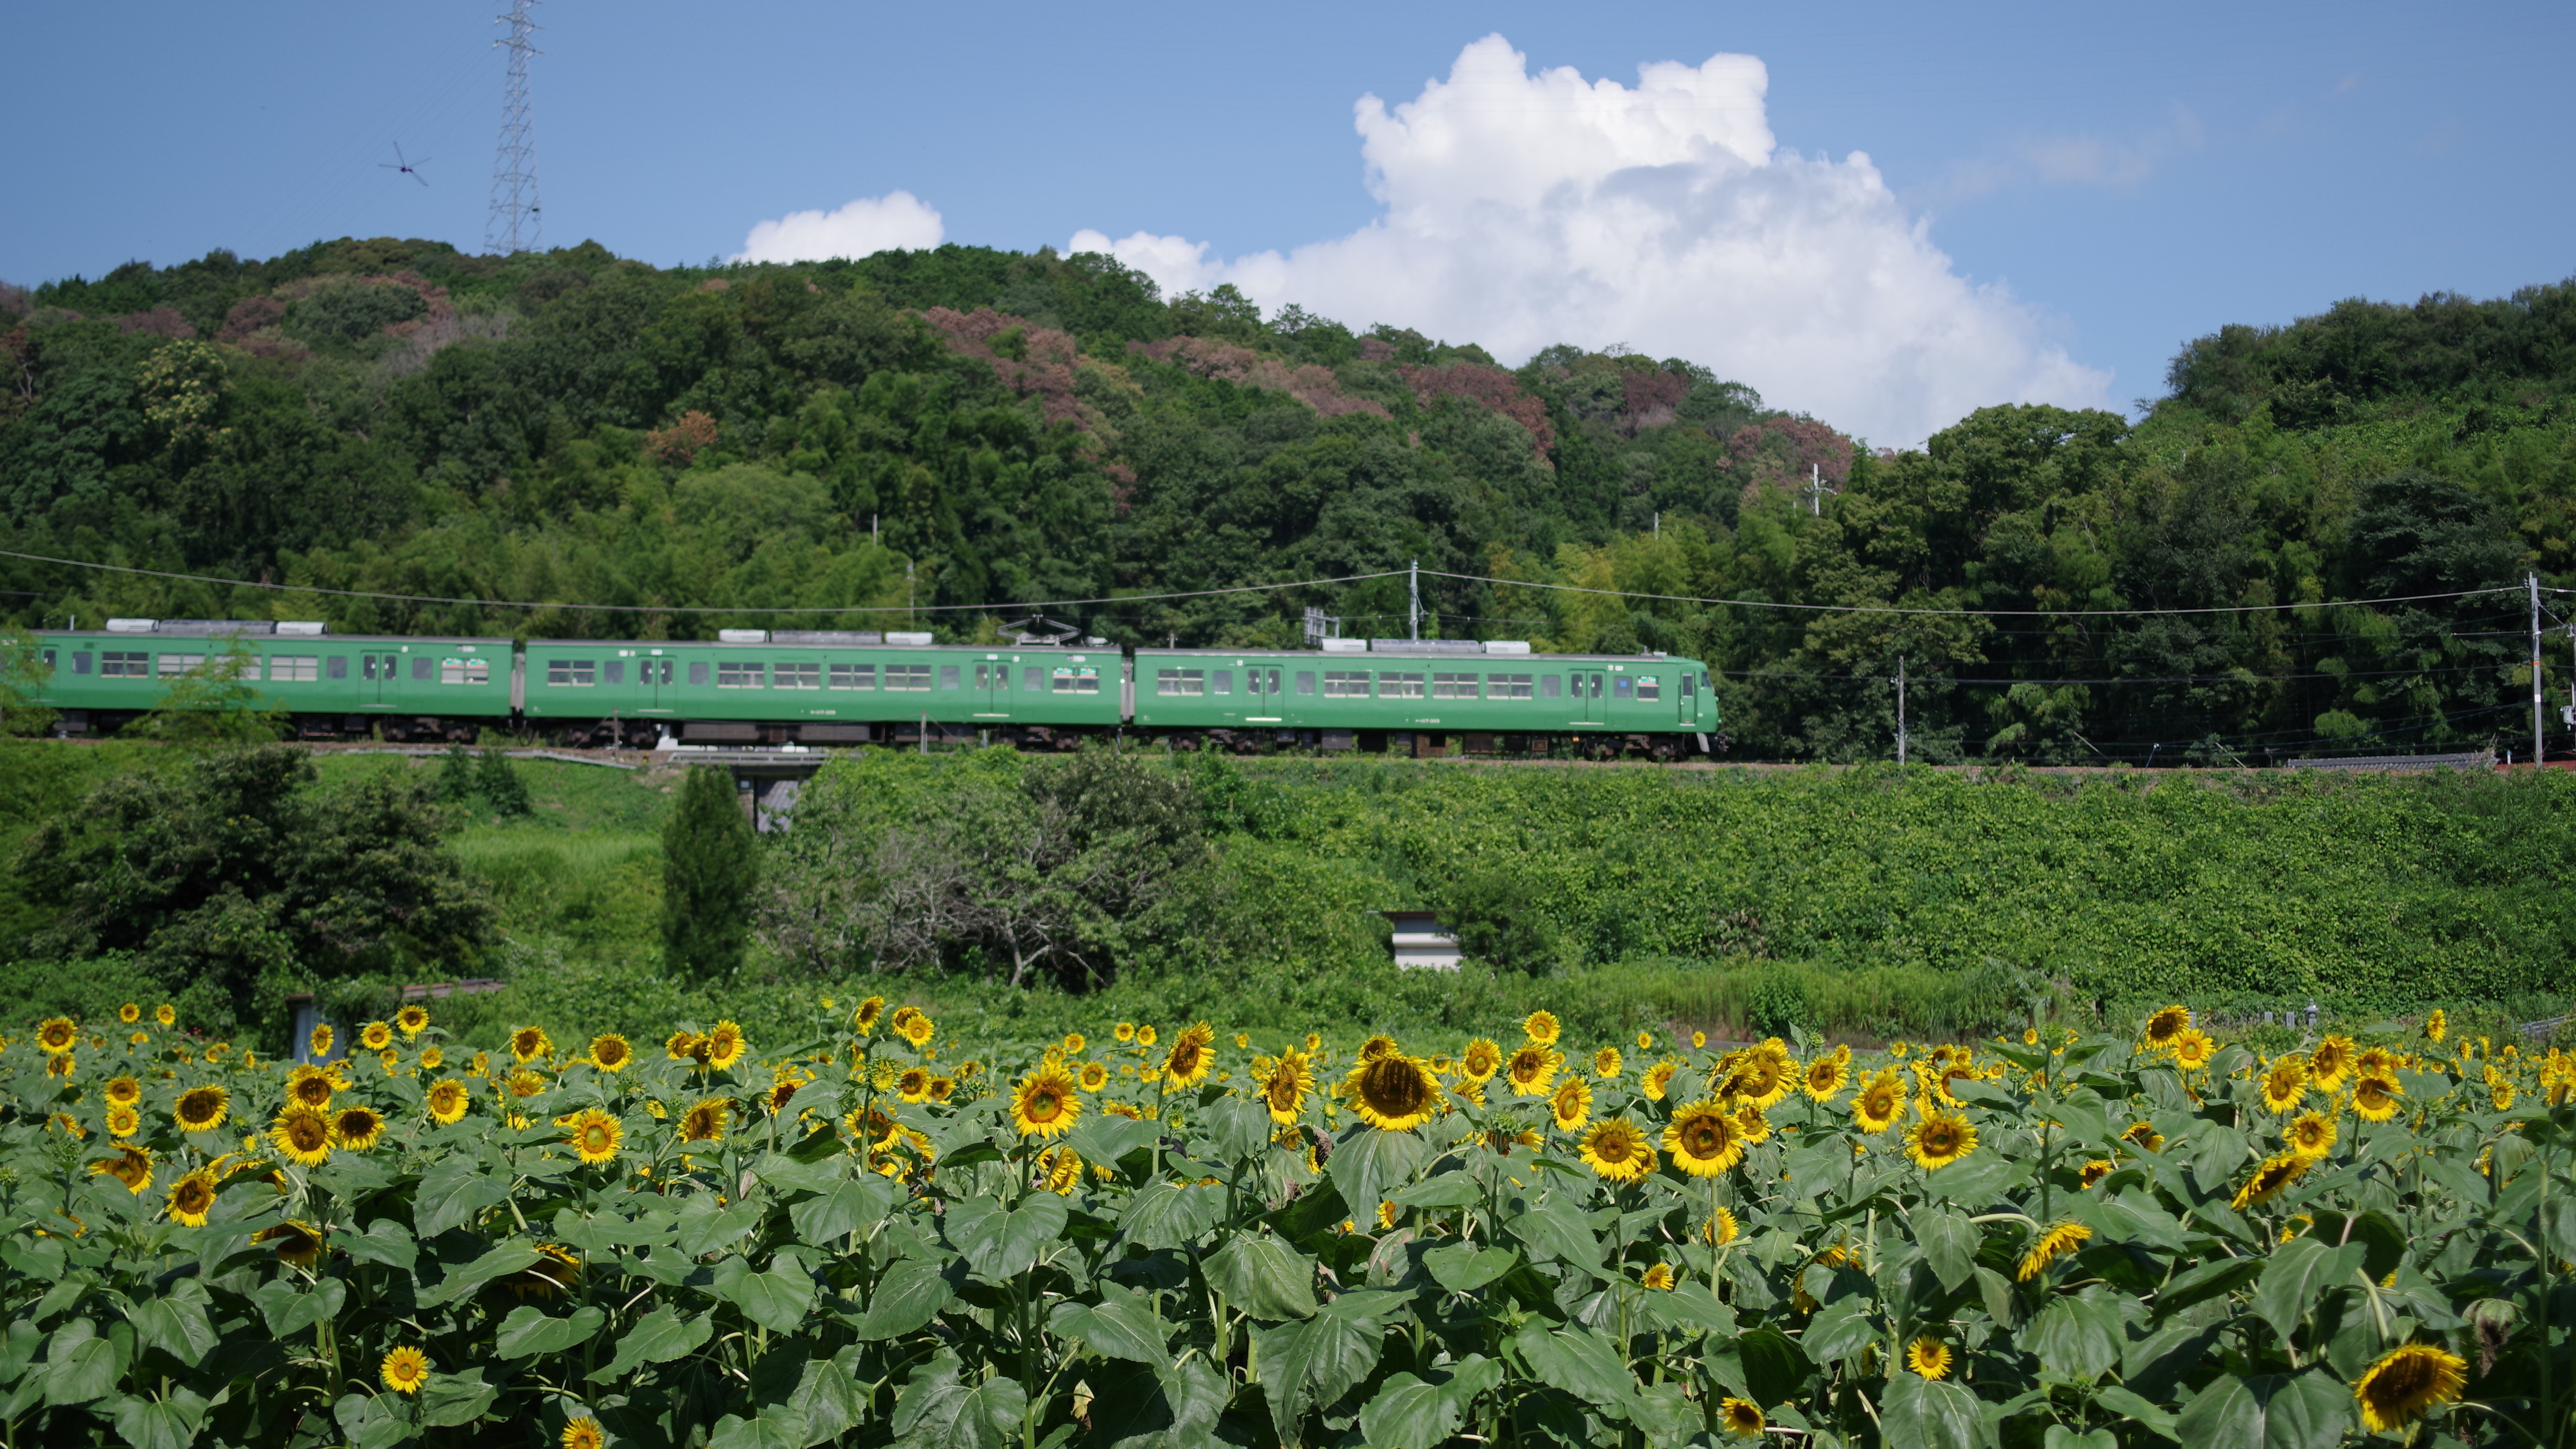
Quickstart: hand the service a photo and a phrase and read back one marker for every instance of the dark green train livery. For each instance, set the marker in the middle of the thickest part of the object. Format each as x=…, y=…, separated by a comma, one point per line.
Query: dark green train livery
x=752, y=688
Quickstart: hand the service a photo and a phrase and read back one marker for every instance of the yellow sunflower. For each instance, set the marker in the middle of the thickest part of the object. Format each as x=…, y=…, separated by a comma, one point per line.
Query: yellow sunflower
x=405, y=1370
x=1658, y=1079
x=941, y=1087
x=2193, y=1049
x=1740, y=1418
x=1094, y=1076
x=1606, y=1063
x=864, y=1019
x=2143, y=1135
x=1284, y=1084
x=166, y=1014
x=1480, y=1060
x=1571, y=1106
x=1189, y=1061
x=584, y=1433
x=2165, y=1025
x=1659, y=1276
x=1617, y=1152
x=310, y=1087
x=1702, y=1139
x=448, y=1101
x=681, y=1046
x=1875, y=1106
x=413, y=1019
x=128, y=1164
x=1074, y=1042
x=123, y=1121
x=2096, y=1170
x=317, y=1042
x=304, y=1135
x=596, y=1136
x=2407, y=1381
x=918, y=1029
x=299, y=1243
x=129, y=1013
x=1125, y=1031
x=1045, y=1103
x=1940, y=1139
x=1532, y=1069
x=1826, y=1076
x=608, y=1051
x=913, y=1084
x=2310, y=1134
x=1392, y=1094
x=1720, y=1230
x=57, y=1035
x=2436, y=1025
x=2285, y=1082
x=725, y=1046
x=356, y=1128
x=123, y=1091
x=1750, y=1124
x=705, y=1122
x=376, y=1036
x=191, y=1198
x=1929, y=1357
x=2277, y=1172
x=529, y=1043
x=2057, y=1242
x=2330, y=1063
x=1542, y=1027
x=2374, y=1099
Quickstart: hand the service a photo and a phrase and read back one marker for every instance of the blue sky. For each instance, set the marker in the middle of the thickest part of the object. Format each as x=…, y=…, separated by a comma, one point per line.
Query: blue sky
x=2083, y=187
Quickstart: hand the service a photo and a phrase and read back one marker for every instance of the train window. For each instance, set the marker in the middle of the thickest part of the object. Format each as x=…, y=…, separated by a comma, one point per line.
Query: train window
x=1547, y=686
x=1305, y=681
x=1703, y=680
x=1622, y=687
x=1507, y=686
x=616, y=671
x=797, y=676
x=1649, y=687
x=80, y=662
x=666, y=671
x=698, y=673
x=336, y=667
x=478, y=671
x=907, y=676
x=1033, y=679
x=116, y=664
x=420, y=670
x=294, y=668
x=169, y=664
x=1345, y=684
x=1070, y=679
x=950, y=676
x=1394, y=684
x=1224, y=682
x=1687, y=681
x=854, y=676
x=738, y=674
x=1180, y=681
x=48, y=656
x=574, y=673
x=1453, y=686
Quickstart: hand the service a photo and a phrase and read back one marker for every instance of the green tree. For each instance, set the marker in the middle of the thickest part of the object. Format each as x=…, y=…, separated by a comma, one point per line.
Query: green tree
x=240, y=879
x=498, y=782
x=1495, y=927
x=215, y=703
x=23, y=674
x=710, y=861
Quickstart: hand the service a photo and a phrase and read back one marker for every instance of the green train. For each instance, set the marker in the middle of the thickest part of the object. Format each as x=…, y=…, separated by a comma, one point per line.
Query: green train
x=753, y=688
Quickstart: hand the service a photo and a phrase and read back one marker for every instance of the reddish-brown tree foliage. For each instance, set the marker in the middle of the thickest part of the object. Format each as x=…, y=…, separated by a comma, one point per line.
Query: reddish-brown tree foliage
x=682, y=441
x=1490, y=388
x=1031, y=361
x=1314, y=386
x=158, y=322
x=1652, y=399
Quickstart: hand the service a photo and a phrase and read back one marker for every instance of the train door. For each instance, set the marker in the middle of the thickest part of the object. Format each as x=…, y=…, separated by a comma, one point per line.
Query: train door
x=375, y=675
x=656, y=682
x=993, y=689
x=1262, y=684
x=1589, y=686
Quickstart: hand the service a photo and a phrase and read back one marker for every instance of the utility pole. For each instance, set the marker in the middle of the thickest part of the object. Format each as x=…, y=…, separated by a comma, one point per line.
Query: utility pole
x=1900, y=709
x=516, y=220
x=2532, y=582
x=1815, y=490
x=1413, y=610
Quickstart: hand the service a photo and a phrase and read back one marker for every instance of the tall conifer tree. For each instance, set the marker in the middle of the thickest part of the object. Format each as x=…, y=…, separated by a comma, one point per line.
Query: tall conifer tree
x=709, y=858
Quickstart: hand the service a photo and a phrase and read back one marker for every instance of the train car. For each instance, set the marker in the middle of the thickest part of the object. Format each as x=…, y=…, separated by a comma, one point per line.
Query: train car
x=1427, y=697
x=406, y=688
x=818, y=687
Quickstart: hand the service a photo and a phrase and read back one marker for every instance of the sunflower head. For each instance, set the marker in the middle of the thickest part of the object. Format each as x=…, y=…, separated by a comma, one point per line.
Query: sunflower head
x=128, y=1164
x=166, y=1014
x=2310, y=1134
x=942, y=1087
x=2436, y=1025
x=1074, y=1042
x=2193, y=1049
x=356, y=1128
x=912, y=1084
x=2407, y=1382
x=1617, y=1152
x=1571, y=1105
x=1607, y=1062
x=1125, y=1031
x=299, y=1243
x=1189, y=1061
x=529, y=1043
x=1480, y=1060
x=1658, y=1276
x=412, y=1019
x=191, y=1198
x=2330, y=1062
x=2165, y=1025
x=2285, y=1082
x=2269, y=1180
x=1826, y=1076
x=1284, y=1084
x=1740, y=1418
x=2065, y=1237
x=448, y=1101
x=584, y=1433
x=124, y=1091
x=610, y=1052
x=304, y=1135
x=1532, y=1069
x=2374, y=1098
x=595, y=1136
x=1542, y=1027
x=918, y=1029
x=129, y=1013
x=1702, y=1139
x=1658, y=1079
x=682, y=1046
x=317, y=1042
x=1940, y=1139
x=1875, y=1106
x=57, y=1035
x=1045, y=1103
x=376, y=1036
x=1094, y=1076
x=405, y=1370
x=864, y=1019
x=1393, y=1093
x=705, y=1122
x=725, y=1046
x=1929, y=1357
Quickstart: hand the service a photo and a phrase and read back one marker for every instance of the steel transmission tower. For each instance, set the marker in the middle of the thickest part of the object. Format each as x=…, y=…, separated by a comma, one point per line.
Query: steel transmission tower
x=516, y=220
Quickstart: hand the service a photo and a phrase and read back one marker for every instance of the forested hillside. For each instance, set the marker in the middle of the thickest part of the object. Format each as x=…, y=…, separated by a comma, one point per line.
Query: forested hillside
x=974, y=430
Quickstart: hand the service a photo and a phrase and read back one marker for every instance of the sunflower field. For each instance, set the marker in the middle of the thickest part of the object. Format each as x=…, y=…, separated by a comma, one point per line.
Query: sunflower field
x=1193, y=1237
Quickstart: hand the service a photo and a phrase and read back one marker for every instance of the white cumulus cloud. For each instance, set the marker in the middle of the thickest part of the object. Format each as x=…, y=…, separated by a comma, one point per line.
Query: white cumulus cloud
x=1523, y=210
x=870, y=224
